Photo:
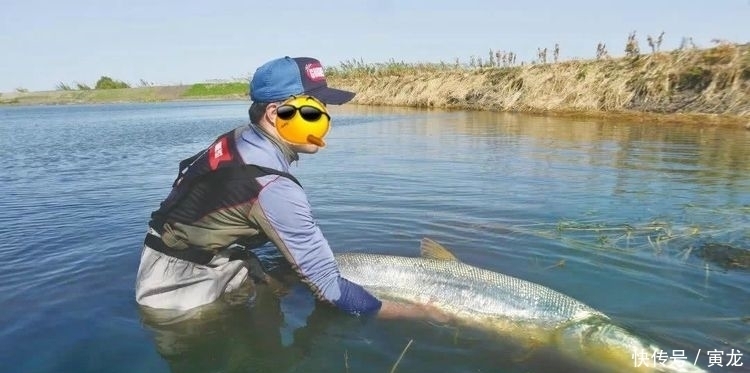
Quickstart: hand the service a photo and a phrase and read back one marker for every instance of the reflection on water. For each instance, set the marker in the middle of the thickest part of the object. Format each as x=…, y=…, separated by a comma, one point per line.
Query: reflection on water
x=231, y=338
x=714, y=151
x=640, y=221
x=250, y=338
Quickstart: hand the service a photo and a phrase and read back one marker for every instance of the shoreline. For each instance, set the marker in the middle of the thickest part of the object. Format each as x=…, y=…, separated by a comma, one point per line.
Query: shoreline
x=698, y=86
x=708, y=87
x=54, y=98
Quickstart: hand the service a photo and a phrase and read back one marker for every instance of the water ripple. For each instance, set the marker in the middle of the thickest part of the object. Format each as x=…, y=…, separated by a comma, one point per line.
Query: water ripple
x=608, y=213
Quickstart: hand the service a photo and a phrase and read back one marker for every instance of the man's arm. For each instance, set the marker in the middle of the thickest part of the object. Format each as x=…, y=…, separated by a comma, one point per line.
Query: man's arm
x=284, y=214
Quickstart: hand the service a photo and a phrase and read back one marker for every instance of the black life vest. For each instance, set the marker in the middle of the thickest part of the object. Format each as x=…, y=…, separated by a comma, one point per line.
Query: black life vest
x=193, y=194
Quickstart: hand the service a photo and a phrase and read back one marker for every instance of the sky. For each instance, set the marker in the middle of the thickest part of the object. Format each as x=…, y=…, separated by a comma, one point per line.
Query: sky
x=44, y=43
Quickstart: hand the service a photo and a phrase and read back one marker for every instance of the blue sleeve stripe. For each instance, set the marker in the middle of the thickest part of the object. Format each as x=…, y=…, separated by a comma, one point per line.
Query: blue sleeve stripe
x=356, y=300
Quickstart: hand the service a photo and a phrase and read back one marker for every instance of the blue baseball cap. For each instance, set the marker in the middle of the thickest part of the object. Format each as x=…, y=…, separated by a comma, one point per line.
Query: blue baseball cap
x=278, y=79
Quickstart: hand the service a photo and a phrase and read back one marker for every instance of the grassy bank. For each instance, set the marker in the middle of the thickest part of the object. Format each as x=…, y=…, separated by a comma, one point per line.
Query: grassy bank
x=227, y=91
x=218, y=90
x=690, y=85
x=93, y=96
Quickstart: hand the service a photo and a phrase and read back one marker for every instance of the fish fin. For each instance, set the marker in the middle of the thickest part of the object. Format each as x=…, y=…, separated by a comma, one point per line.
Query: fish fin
x=433, y=250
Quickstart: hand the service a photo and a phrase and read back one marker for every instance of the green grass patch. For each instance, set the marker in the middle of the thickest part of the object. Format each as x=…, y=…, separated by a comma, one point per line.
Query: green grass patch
x=217, y=89
x=10, y=101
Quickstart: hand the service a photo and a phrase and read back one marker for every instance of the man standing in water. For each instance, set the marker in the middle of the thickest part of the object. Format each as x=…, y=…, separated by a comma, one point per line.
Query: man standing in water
x=238, y=194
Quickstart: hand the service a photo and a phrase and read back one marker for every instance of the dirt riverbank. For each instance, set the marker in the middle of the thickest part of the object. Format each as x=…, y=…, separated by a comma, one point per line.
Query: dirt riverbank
x=698, y=86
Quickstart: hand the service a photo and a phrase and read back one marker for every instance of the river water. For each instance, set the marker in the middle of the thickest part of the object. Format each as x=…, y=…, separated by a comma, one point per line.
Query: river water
x=647, y=223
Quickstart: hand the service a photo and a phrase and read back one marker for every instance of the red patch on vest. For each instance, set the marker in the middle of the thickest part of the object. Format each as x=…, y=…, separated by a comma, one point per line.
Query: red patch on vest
x=219, y=152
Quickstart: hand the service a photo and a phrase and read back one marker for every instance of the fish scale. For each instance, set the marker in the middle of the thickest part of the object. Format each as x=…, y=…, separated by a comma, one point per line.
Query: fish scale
x=519, y=309
x=471, y=291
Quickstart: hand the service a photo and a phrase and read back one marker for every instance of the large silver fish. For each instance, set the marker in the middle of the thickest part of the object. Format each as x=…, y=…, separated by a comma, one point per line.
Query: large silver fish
x=518, y=309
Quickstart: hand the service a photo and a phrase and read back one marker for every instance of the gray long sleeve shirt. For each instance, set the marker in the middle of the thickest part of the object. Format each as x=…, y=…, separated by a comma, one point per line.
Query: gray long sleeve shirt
x=282, y=213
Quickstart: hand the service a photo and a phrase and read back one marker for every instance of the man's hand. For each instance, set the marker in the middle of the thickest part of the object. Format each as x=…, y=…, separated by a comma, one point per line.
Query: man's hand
x=396, y=310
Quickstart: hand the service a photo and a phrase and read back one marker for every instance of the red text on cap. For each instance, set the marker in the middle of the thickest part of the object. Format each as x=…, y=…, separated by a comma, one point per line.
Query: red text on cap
x=314, y=71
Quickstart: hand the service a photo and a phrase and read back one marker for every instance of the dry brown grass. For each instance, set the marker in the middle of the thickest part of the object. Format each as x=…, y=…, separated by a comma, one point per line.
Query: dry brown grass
x=703, y=86
x=709, y=85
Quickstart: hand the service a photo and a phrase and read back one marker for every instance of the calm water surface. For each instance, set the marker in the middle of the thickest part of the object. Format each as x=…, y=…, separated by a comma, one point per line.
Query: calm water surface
x=619, y=216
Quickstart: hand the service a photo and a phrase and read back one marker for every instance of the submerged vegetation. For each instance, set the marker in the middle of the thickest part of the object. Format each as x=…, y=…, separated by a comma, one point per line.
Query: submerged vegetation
x=689, y=84
x=725, y=255
x=708, y=246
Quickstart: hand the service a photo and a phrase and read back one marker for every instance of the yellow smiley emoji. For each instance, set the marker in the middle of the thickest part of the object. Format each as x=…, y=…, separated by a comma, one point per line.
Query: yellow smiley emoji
x=303, y=120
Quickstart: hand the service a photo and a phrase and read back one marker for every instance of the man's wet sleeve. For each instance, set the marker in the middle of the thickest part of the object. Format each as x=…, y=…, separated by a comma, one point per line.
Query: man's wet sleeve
x=284, y=214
